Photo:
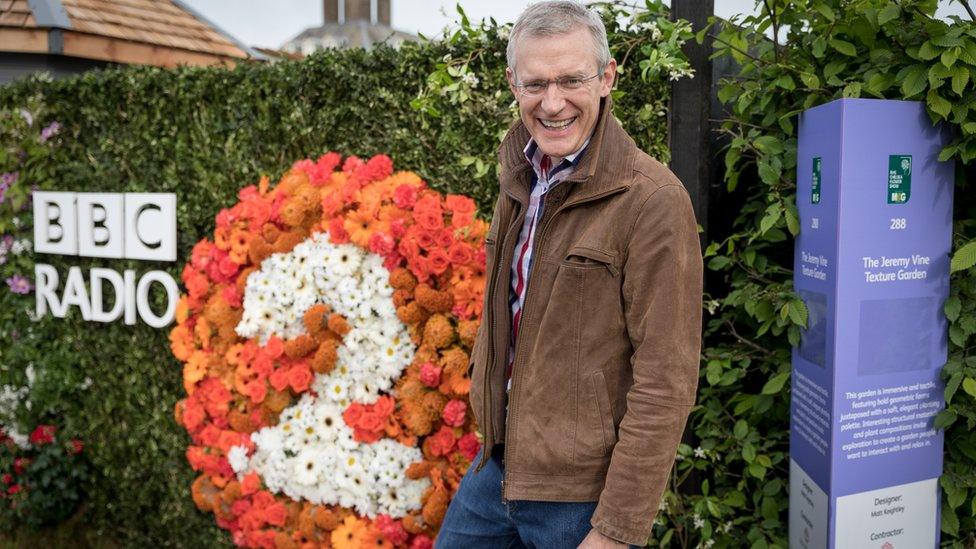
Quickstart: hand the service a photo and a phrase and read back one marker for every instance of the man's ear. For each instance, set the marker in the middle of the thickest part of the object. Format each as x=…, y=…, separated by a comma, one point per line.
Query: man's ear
x=607, y=77
x=510, y=76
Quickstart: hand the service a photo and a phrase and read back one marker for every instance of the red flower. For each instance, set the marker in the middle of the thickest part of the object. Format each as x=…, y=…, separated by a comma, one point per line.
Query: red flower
x=378, y=167
x=430, y=375
x=7, y=478
x=256, y=391
x=438, y=261
x=232, y=295
x=421, y=542
x=193, y=414
x=459, y=204
x=15, y=489
x=391, y=529
x=442, y=442
x=20, y=464
x=460, y=253
x=398, y=228
x=352, y=164
x=468, y=445
x=250, y=484
x=77, y=446
x=276, y=514
x=279, y=379
x=453, y=413
x=405, y=196
x=337, y=231
x=43, y=434
x=382, y=244
x=300, y=378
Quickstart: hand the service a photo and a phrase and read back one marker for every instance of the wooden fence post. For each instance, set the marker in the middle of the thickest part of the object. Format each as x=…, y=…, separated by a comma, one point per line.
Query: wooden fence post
x=691, y=100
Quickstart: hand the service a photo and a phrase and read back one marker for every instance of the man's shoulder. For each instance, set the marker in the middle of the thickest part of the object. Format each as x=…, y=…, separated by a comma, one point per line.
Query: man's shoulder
x=649, y=175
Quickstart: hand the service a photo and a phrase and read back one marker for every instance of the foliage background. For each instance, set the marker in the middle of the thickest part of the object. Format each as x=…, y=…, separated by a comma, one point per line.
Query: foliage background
x=827, y=50
x=438, y=108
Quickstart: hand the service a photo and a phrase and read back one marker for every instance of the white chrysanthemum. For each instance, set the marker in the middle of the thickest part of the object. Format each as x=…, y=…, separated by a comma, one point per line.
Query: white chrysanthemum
x=311, y=453
x=237, y=456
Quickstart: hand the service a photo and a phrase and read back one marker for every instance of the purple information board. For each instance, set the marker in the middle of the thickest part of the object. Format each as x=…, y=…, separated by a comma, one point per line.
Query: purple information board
x=872, y=266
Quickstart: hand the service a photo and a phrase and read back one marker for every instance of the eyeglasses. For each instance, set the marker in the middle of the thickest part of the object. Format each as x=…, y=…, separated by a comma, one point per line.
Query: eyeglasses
x=564, y=83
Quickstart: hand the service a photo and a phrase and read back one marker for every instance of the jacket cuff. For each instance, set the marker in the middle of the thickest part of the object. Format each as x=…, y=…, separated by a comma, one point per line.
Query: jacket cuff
x=625, y=532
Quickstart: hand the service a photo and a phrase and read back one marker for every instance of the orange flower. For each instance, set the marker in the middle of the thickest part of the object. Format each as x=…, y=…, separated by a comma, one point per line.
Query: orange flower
x=350, y=534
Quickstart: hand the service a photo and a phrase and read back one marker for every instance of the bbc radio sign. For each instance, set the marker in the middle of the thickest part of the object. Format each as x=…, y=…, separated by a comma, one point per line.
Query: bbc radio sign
x=112, y=226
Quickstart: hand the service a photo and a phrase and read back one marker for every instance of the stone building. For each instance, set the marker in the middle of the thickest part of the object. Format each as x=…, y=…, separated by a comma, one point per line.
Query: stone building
x=349, y=24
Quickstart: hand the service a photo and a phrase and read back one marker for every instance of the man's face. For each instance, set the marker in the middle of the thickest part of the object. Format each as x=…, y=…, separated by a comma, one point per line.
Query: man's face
x=560, y=121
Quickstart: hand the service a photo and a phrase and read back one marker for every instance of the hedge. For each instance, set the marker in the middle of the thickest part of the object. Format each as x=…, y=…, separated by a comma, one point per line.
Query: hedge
x=437, y=108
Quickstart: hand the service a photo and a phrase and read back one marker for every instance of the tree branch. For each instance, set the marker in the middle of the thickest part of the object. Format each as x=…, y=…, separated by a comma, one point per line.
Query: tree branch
x=969, y=10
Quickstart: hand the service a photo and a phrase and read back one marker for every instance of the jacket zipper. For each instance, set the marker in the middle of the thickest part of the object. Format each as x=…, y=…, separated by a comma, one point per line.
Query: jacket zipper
x=512, y=410
x=489, y=415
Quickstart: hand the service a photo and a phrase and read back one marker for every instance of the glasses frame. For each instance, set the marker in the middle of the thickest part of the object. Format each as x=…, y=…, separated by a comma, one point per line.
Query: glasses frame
x=521, y=87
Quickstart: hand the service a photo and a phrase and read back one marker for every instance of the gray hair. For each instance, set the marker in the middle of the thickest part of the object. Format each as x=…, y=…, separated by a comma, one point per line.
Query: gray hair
x=555, y=17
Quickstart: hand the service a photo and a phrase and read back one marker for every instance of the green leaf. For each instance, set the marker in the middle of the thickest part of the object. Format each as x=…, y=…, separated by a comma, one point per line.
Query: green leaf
x=843, y=46
x=963, y=258
x=810, y=80
x=950, y=523
x=928, y=51
x=719, y=262
x=768, y=144
x=792, y=221
x=798, y=312
x=949, y=57
x=938, y=104
x=960, y=77
x=775, y=384
x=890, y=12
x=951, y=387
x=852, y=90
x=741, y=429
x=969, y=385
x=944, y=419
x=748, y=452
x=914, y=81
x=952, y=307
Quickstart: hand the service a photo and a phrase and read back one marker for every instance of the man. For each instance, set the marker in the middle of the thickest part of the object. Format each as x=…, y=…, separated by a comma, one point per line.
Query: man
x=586, y=363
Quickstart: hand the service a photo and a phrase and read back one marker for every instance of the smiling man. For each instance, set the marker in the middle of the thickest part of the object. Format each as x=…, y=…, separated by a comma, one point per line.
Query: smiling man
x=586, y=362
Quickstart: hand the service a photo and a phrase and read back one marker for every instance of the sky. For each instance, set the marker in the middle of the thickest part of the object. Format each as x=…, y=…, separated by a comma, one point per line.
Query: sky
x=271, y=23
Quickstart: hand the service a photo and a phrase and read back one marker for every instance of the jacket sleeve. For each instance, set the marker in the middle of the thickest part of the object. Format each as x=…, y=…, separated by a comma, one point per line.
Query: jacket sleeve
x=662, y=291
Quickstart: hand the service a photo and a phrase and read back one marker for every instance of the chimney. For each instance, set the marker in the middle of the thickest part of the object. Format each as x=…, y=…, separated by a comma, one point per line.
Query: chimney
x=331, y=10
x=357, y=10
x=347, y=11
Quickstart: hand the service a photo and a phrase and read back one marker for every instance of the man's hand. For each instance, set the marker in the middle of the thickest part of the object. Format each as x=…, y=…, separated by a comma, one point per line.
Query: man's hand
x=596, y=540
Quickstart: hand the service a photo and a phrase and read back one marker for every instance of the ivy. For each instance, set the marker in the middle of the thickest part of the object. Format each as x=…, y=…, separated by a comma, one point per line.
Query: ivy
x=827, y=50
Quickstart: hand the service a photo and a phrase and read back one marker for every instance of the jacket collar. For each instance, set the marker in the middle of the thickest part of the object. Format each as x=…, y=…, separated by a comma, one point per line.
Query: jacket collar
x=605, y=167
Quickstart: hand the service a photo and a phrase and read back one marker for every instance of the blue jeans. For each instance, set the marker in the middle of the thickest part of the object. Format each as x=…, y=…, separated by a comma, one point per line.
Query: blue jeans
x=478, y=517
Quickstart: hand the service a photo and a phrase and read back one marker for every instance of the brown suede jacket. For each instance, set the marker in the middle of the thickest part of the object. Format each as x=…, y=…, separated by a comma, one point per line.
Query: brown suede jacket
x=606, y=363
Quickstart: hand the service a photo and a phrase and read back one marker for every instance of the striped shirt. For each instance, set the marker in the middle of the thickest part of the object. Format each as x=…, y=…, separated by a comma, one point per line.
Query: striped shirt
x=545, y=176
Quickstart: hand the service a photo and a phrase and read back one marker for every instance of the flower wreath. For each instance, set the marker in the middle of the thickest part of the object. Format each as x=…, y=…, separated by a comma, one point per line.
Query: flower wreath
x=325, y=338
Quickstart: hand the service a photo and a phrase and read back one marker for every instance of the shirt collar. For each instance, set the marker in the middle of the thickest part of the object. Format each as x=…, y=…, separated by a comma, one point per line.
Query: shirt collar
x=534, y=155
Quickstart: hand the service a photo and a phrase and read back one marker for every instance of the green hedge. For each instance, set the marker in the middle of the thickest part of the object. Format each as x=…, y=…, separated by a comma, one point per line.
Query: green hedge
x=437, y=108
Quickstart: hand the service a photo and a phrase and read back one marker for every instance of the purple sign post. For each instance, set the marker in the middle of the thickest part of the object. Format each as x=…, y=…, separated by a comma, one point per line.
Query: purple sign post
x=872, y=266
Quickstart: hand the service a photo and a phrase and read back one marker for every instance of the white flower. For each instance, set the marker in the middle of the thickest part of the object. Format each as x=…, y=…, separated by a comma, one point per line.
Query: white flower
x=700, y=452
x=237, y=457
x=311, y=453
x=699, y=522
x=20, y=246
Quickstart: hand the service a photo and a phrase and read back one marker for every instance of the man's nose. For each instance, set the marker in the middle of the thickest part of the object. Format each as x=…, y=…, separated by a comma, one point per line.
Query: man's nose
x=553, y=100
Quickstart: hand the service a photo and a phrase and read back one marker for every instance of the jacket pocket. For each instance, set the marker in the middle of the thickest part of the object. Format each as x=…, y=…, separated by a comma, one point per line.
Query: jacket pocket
x=582, y=257
x=595, y=431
